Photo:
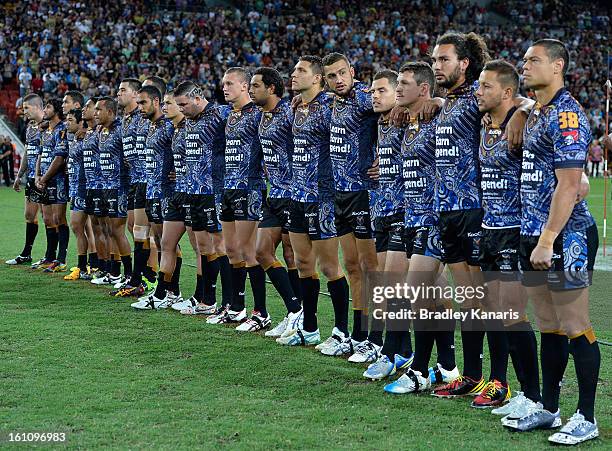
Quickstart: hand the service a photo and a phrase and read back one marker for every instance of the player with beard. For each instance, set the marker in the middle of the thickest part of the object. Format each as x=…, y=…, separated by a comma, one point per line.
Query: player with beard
x=352, y=150
x=52, y=179
x=266, y=91
x=34, y=114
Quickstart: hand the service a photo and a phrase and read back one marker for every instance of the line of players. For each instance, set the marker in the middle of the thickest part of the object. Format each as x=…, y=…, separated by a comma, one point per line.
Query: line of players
x=404, y=182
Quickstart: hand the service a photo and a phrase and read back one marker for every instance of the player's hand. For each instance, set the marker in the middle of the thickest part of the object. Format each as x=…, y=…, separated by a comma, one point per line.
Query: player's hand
x=374, y=171
x=172, y=176
x=430, y=109
x=486, y=120
x=541, y=258
x=41, y=183
x=514, y=129
x=296, y=101
x=585, y=187
x=400, y=116
x=17, y=184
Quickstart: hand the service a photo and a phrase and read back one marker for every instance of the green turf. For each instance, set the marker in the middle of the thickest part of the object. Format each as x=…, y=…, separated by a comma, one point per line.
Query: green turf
x=74, y=360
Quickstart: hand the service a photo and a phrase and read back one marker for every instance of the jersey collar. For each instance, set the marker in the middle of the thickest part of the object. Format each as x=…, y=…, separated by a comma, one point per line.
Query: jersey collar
x=558, y=94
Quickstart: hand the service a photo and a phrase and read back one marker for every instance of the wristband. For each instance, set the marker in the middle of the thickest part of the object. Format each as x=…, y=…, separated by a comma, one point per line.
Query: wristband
x=547, y=238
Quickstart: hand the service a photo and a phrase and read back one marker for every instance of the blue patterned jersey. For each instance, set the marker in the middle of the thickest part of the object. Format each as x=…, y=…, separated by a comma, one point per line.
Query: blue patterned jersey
x=390, y=194
x=91, y=160
x=159, y=160
x=353, y=139
x=204, y=149
x=76, y=170
x=556, y=136
x=54, y=144
x=500, y=173
x=33, y=147
x=134, y=132
x=276, y=140
x=457, y=143
x=312, y=172
x=111, y=156
x=419, y=173
x=243, y=155
x=178, y=154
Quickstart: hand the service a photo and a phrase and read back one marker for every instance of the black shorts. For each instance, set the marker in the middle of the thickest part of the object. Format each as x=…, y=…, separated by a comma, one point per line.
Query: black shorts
x=110, y=203
x=154, y=211
x=56, y=192
x=33, y=194
x=137, y=196
x=176, y=207
x=460, y=233
x=499, y=253
x=202, y=213
x=276, y=213
x=572, y=261
x=389, y=233
x=313, y=218
x=242, y=205
x=90, y=201
x=77, y=203
x=423, y=240
x=353, y=214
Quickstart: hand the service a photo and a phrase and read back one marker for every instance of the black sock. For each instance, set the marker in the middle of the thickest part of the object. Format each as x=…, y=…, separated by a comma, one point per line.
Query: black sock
x=424, y=339
x=210, y=269
x=199, y=289
x=238, y=286
x=498, y=350
x=115, y=267
x=310, y=292
x=587, y=360
x=104, y=266
x=554, y=353
x=395, y=329
x=339, y=292
x=160, y=290
x=52, y=238
x=127, y=265
x=523, y=349
x=294, y=279
x=225, y=269
x=176, y=276
x=280, y=279
x=376, y=331
x=30, y=236
x=392, y=343
x=93, y=260
x=257, y=277
x=158, y=258
x=63, y=236
x=139, y=264
x=82, y=262
x=472, y=339
x=360, y=325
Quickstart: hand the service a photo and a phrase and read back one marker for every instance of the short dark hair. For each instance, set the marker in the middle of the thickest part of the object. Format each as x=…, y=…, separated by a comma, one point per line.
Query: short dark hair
x=245, y=74
x=422, y=73
x=76, y=96
x=57, y=106
x=271, y=77
x=389, y=74
x=316, y=65
x=34, y=99
x=470, y=46
x=92, y=99
x=133, y=83
x=109, y=103
x=334, y=57
x=188, y=88
x=506, y=73
x=152, y=92
x=555, y=50
x=158, y=82
x=77, y=113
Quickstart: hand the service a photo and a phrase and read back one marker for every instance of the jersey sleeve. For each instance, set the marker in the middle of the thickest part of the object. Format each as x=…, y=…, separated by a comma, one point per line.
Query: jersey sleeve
x=571, y=136
x=364, y=99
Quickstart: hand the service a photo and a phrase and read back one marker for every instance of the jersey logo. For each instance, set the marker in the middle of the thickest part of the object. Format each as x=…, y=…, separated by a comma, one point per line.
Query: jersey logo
x=570, y=136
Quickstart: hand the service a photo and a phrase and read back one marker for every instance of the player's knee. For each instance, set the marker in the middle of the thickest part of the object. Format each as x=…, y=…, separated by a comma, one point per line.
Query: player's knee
x=289, y=257
x=264, y=257
x=141, y=233
x=330, y=271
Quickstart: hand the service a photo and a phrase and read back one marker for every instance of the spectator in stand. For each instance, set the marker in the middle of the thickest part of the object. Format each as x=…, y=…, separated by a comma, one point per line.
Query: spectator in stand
x=6, y=159
x=595, y=158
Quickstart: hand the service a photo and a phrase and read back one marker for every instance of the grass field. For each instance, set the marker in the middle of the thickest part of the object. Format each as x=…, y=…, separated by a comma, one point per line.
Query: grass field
x=74, y=360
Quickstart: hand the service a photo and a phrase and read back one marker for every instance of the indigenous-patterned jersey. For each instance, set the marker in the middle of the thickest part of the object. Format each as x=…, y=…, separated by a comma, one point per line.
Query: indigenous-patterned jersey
x=76, y=170
x=419, y=173
x=159, y=160
x=312, y=172
x=91, y=160
x=243, y=156
x=111, y=156
x=33, y=147
x=204, y=147
x=500, y=173
x=54, y=144
x=390, y=195
x=556, y=136
x=457, y=142
x=178, y=154
x=353, y=139
x=133, y=125
x=276, y=141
